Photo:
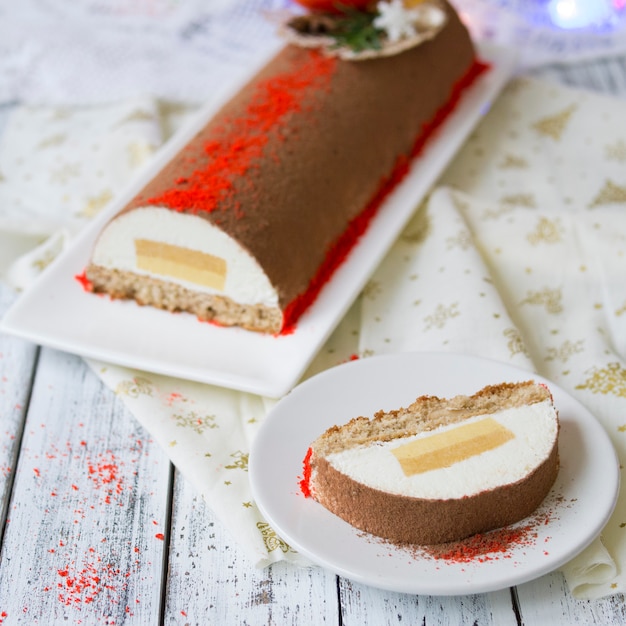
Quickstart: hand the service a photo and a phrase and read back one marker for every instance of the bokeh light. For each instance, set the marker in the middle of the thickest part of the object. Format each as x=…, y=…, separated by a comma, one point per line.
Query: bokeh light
x=577, y=14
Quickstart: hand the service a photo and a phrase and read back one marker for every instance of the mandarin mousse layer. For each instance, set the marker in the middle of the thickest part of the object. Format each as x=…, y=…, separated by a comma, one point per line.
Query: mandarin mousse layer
x=440, y=470
x=249, y=220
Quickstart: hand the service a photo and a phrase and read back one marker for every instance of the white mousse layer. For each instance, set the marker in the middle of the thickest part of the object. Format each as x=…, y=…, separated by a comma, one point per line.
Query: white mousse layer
x=245, y=282
x=535, y=428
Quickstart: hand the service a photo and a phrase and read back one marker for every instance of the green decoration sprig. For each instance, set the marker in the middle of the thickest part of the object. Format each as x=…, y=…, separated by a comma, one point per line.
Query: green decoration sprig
x=355, y=29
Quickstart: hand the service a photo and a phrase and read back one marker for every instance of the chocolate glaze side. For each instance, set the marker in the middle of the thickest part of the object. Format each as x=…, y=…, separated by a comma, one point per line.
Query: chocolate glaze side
x=409, y=520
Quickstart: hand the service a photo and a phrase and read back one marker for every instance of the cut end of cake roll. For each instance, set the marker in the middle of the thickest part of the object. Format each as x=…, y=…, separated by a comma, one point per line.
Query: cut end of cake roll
x=180, y=262
x=441, y=469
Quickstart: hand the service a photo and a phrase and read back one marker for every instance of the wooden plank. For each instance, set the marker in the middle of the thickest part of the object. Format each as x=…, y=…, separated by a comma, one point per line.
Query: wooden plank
x=212, y=582
x=17, y=366
x=86, y=532
x=361, y=604
x=548, y=601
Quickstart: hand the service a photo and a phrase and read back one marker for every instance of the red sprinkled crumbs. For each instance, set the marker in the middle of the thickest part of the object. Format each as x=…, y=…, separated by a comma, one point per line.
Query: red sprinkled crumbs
x=82, y=583
x=494, y=545
x=243, y=143
x=486, y=546
x=89, y=576
x=104, y=473
x=173, y=397
x=305, y=482
x=85, y=282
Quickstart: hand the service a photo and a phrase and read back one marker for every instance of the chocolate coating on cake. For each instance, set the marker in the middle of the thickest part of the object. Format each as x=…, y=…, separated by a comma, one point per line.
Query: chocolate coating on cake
x=406, y=520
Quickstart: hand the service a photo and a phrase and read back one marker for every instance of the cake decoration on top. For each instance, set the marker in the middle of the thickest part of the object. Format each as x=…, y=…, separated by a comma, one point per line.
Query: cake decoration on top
x=385, y=28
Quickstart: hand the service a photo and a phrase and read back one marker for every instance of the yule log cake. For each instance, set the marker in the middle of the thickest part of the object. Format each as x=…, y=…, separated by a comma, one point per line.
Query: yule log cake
x=249, y=220
x=440, y=470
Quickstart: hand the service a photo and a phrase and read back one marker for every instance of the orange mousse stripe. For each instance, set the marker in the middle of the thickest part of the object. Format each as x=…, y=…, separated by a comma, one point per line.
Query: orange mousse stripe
x=451, y=446
x=183, y=263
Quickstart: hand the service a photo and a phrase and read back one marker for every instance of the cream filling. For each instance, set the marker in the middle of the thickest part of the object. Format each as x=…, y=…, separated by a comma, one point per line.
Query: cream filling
x=533, y=429
x=183, y=249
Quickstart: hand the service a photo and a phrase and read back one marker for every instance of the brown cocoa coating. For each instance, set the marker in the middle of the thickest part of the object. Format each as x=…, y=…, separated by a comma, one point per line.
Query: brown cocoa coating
x=323, y=167
x=409, y=520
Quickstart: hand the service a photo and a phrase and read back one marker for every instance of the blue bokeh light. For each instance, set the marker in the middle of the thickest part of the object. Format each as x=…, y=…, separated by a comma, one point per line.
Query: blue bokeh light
x=578, y=14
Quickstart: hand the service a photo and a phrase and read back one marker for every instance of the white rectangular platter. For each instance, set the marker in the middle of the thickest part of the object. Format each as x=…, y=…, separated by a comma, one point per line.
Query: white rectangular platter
x=57, y=312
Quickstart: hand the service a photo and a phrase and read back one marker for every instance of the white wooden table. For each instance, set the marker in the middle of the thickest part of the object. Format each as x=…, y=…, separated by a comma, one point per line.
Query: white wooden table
x=96, y=527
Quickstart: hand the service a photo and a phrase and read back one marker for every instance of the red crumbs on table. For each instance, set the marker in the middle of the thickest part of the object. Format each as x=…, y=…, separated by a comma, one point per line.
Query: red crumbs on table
x=84, y=576
x=105, y=475
x=82, y=583
x=485, y=547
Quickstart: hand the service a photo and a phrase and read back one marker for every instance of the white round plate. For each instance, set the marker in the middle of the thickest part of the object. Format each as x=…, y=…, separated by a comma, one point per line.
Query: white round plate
x=577, y=508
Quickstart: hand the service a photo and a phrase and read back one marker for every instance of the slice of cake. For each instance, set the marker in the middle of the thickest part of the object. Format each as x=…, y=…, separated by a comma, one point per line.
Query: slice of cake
x=440, y=470
x=246, y=224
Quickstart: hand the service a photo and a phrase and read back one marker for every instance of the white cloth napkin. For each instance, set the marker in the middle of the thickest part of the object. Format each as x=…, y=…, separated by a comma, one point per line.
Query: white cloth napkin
x=207, y=433
x=519, y=255
x=544, y=182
